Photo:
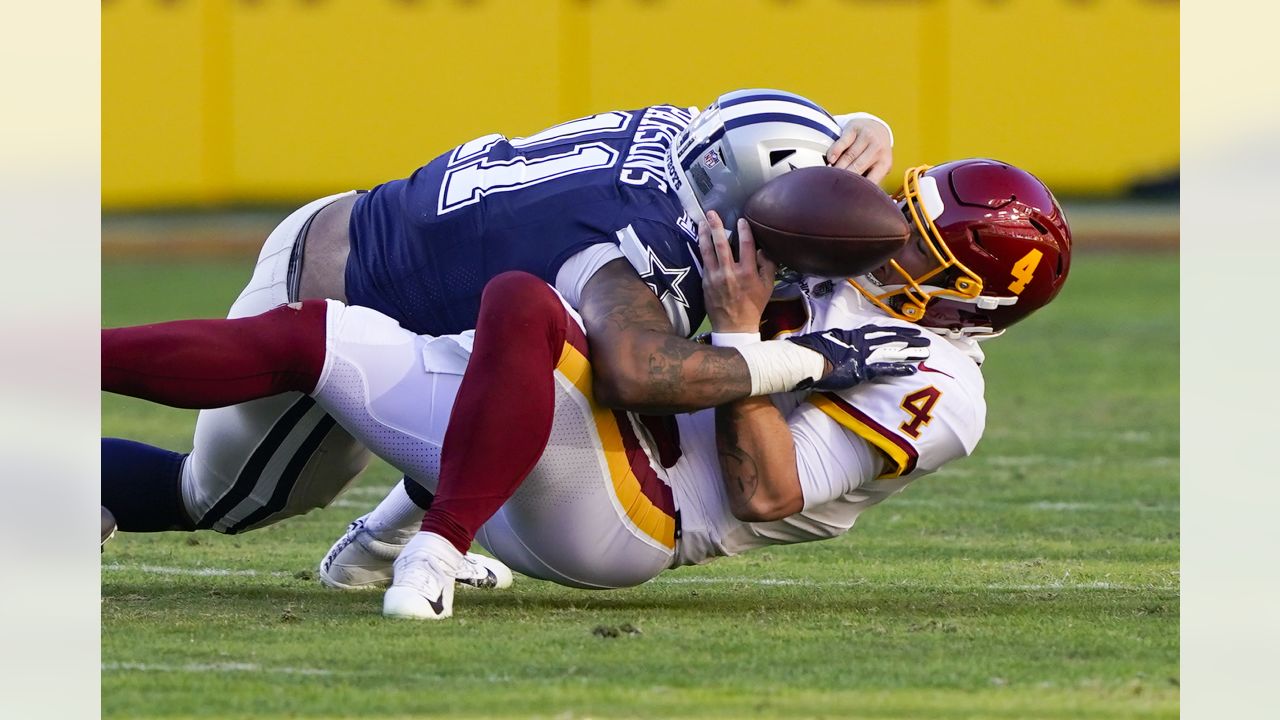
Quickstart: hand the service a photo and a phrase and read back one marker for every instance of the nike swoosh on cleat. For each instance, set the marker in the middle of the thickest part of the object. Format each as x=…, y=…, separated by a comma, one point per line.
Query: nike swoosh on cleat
x=488, y=581
x=438, y=603
x=925, y=368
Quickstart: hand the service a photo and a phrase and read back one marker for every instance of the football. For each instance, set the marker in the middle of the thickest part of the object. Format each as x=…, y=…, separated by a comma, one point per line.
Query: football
x=826, y=221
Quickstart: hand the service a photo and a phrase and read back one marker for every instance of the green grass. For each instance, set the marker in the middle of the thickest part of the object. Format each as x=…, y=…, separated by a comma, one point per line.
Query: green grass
x=1036, y=579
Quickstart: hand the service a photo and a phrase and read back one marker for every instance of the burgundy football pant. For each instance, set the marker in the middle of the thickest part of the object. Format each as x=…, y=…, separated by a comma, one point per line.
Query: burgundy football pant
x=214, y=363
x=501, y=418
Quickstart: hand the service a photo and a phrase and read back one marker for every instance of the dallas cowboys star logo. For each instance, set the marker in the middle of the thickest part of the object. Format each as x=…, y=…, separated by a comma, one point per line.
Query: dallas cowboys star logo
x=671, y=276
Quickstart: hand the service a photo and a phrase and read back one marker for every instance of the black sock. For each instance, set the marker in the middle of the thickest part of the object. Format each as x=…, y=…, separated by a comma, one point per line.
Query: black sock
x=420, y=496
x=142, y=487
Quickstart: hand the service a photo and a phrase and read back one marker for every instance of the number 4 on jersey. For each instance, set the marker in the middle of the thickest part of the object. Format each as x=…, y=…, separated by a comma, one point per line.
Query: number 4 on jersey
x=919, y=405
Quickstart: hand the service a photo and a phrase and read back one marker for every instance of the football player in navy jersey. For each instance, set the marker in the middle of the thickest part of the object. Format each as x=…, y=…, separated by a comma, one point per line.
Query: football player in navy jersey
x=604, y=209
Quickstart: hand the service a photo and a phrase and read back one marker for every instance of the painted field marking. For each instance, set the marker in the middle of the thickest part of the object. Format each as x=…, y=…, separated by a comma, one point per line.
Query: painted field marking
x=245, y=667
x=720, y=580
x=214, y=667
x=1048, y=461
x=1018, y=587
x=909, y=501
x=376, y=493
x=192, y=571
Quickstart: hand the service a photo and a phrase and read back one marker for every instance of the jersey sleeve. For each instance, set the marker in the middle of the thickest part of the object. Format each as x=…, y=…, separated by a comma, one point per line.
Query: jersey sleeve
x=573, y=275
x=662, y=254
x=919, y=422
x=830, y=461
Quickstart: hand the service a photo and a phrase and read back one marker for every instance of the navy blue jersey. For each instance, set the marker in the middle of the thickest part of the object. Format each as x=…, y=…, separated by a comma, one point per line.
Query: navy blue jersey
x=422, y=248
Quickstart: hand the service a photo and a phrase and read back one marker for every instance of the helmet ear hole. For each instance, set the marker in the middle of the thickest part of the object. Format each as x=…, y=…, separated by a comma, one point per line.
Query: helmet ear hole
x=778, y=156
x=701, y=179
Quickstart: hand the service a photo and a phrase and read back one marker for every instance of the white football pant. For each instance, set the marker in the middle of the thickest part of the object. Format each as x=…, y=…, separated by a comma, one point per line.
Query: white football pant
x=593, y=512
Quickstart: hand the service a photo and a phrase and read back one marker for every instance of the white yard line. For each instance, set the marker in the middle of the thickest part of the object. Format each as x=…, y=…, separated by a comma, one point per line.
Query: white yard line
x=192, y=571
x=254, y=668
x=1131, y=437
x=910, y=501
x=1032, y=587
x=1092, y=461
x=374, y=493
x=214, y=667
x=718, y=580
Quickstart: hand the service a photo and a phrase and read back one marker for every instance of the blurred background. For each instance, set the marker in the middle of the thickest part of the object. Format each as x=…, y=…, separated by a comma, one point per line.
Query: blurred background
x=220, y=115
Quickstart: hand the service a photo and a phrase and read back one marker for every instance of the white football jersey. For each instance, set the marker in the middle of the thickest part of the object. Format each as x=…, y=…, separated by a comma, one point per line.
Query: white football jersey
x=854, y=448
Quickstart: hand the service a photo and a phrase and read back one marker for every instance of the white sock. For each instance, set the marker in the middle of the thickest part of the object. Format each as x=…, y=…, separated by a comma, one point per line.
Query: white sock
x=397, y=517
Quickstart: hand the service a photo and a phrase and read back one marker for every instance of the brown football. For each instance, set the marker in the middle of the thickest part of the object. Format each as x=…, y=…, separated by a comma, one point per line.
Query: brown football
x=826, y=221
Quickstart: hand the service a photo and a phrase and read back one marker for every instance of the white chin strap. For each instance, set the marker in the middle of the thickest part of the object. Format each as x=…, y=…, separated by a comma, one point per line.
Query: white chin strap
x=966, y=333
x=991, y=302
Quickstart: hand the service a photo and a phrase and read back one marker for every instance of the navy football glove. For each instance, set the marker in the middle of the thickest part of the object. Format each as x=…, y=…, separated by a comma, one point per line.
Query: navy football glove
x=865, y=353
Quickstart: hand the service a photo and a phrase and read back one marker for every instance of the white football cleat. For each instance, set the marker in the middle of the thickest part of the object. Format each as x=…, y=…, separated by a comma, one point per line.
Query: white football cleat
x=360, y=561
x=484, y=572
x=423, y=584
x=109, y=529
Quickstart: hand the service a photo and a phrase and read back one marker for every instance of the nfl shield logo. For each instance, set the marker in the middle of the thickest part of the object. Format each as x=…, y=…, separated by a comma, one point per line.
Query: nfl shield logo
x=711, y=159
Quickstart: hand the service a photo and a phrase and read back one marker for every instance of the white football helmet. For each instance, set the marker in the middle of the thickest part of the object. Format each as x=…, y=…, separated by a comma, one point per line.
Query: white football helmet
x=745, y=139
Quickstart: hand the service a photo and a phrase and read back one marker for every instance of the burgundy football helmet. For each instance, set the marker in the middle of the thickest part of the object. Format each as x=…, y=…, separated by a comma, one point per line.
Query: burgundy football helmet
x=996, y=248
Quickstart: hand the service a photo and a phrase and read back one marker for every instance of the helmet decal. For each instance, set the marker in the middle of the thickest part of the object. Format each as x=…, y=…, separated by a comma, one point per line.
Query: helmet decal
x=994, y=246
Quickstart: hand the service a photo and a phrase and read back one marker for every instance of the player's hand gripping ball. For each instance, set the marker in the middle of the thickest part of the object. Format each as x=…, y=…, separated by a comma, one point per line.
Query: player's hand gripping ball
x=826, y=221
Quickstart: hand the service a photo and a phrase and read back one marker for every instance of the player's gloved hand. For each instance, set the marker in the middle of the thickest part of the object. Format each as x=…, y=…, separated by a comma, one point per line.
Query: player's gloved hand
x=865, y=353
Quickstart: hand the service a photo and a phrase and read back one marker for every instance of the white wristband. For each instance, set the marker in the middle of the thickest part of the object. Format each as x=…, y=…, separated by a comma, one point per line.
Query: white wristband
x=735, y=339
x=844, y=120
x=779, y=366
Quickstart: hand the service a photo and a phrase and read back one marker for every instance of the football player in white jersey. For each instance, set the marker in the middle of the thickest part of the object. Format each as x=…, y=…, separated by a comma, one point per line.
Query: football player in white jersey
x=990, y=246
x=616, y=498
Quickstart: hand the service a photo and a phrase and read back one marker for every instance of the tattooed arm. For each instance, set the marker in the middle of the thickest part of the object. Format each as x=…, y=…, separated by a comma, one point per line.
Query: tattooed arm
x=757, y=461
x=638, y=363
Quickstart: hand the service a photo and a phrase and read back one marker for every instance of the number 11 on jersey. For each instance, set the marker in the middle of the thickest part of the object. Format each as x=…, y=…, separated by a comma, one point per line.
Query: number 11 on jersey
x=472, y=174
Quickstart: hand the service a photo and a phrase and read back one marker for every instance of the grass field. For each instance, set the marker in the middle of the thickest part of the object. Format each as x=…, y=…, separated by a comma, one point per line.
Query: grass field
x=1036, y=579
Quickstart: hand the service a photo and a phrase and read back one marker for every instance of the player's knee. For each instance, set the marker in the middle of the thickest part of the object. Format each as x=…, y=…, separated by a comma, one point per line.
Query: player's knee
x=518, y=299
x=293, y=335
x=521, y=293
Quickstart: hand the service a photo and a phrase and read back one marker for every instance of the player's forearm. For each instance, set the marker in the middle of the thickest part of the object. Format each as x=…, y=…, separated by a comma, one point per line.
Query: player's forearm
x=638, y=363
x=757, y=461
x=655, y=372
